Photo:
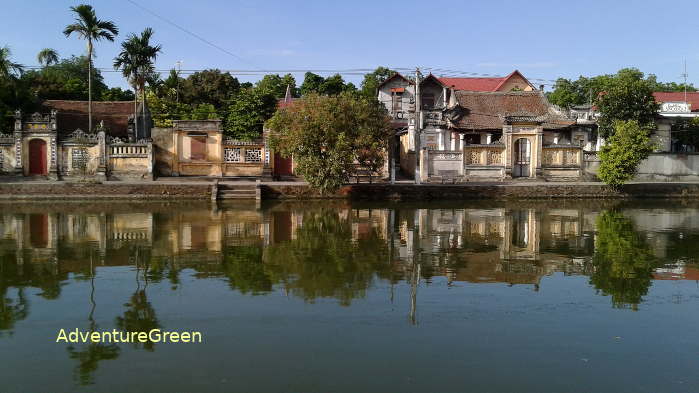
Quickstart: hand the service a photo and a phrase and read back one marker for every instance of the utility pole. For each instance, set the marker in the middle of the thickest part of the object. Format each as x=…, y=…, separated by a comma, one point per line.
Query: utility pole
x=418, y=125
x=179, y=69
x=684, y=75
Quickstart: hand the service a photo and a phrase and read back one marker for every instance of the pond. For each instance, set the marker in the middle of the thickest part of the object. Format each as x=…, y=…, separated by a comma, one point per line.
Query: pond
x=573, y=296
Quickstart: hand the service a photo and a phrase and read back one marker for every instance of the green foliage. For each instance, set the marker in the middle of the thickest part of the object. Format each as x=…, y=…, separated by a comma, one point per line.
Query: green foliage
x=627, y=97
x=332, y=85
x=372, y=80
x=8, y=68
x=209, y=86
x=165, y=109
x=117, y=94
x=47, y=56
x=276, y=85
x=248, y=112
x=623, y=261
x=327, y=134
x=204, y=112
x=625, y=149
x=65, y=80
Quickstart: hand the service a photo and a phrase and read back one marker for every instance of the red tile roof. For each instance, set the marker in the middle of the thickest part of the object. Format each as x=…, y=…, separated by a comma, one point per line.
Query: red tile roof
x=692, y=98
x=73, y=115
x=480, y=84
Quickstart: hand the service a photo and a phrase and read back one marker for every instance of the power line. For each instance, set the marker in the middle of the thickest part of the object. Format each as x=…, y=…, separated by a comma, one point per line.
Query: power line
x=204, y=40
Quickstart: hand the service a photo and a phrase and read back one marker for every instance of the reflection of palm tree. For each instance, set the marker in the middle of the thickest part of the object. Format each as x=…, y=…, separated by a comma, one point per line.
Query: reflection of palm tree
x=139, y=315
x=90, y=356
x=623, y=262
x=11, y=312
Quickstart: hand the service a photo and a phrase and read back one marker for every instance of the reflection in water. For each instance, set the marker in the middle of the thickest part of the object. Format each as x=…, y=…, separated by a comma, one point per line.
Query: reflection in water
x=623, y=262
x=329, y=251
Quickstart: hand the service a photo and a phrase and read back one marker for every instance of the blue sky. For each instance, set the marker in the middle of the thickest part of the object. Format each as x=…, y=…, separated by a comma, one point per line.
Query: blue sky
x=543, y=39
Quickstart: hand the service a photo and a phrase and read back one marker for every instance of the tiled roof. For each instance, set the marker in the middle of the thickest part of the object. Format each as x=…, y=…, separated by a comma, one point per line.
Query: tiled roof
x=480, y=84
x=472, y=84
x=692, y=98
x=73, y=115
x=488, y=110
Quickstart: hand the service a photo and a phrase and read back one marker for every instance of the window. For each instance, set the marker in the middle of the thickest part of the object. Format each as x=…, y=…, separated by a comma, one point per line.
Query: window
x=197, y=147
x=397, y=102
x=427, y=101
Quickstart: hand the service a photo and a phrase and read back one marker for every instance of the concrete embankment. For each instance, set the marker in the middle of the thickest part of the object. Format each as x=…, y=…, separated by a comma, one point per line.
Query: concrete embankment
x=165, y=190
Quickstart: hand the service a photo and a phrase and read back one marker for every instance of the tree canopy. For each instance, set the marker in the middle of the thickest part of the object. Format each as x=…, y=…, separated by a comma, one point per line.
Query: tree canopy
x=626, y=148
x=328, y=135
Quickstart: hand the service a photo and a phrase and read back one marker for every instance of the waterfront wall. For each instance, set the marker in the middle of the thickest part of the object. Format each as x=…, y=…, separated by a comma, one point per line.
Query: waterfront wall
x=669, y=167
x=110, y=190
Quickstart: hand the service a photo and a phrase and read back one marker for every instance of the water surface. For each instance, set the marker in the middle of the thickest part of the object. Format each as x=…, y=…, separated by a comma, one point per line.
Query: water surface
x=339, y=297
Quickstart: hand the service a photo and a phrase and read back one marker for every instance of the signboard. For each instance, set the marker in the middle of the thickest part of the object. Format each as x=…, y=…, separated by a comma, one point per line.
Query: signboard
x=675, y=107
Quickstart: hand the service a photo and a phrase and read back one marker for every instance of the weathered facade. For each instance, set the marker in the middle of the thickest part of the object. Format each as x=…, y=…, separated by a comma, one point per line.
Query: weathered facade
x=486, y=134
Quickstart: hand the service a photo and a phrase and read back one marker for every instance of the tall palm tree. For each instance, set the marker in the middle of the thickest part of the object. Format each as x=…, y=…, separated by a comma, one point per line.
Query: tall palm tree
x=8, y=68
x=47, y=56
x=136, y=62
x=89, y=28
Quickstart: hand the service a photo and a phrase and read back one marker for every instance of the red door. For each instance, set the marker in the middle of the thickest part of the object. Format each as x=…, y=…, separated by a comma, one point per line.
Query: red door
x=282, y=166
x=37, y=157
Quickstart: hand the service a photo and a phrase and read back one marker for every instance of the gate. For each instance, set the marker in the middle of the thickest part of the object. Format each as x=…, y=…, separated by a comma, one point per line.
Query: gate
x=522, y=158
x=37, y=157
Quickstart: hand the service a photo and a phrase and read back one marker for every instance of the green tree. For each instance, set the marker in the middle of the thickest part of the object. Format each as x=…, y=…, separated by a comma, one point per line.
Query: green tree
x=248, y=112
x=277, y=85
x=8, y=68
x=628, y=96
x=327, y=135
x=136, y=62
x=372, y=80
x=209, y=86
x=117, y=94
x=65, y=80
x=312, y=83
x=165, y=109
x=89, y=28
x=623, y=261
x=47, y=56
x=203, y=112
x=625, y=149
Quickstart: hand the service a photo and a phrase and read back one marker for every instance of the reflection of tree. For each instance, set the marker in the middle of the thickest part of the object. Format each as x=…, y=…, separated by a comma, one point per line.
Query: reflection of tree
x=244, y=268
x=11, y=310
x=89, y=357
x=623, y=262
x=324, y=261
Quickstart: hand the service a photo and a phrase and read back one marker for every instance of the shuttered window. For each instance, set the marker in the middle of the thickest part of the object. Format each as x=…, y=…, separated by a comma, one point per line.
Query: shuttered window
x=197, y=147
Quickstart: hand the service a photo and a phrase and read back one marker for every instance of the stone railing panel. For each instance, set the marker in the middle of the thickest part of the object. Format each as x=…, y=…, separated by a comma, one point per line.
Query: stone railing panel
x=561, y=156
x=484, y=155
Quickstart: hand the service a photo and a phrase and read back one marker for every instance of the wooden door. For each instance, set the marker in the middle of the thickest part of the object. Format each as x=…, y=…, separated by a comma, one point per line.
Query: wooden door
x=282, y=166
x=37, y=157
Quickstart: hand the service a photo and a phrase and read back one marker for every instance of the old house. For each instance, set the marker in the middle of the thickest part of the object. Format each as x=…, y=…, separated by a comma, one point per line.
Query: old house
x=478, y=128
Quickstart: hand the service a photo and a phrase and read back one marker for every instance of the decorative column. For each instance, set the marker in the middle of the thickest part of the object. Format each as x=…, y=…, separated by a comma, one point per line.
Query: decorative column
x=102, y=167
x=18, y=143
x=453, y=140
x=488, y=138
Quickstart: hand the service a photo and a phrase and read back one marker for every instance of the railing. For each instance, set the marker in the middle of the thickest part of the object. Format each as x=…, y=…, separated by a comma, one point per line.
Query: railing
x=561, y=156
x=7, y=139
x=484, y=155
x=127, y=150
x=591, y=155
x=244, y=152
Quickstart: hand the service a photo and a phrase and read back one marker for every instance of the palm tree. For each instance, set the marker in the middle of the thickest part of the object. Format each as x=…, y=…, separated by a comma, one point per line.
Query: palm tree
x=47, y=56
x=89, y=28
x=8, y=68
x=136, y=61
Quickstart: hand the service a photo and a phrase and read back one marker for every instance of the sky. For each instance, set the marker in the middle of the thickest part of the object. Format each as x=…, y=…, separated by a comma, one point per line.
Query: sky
x=543, y=39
